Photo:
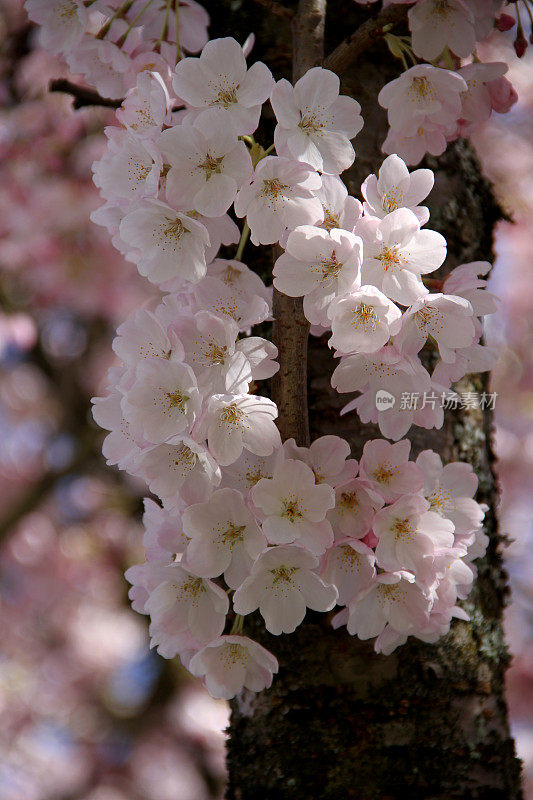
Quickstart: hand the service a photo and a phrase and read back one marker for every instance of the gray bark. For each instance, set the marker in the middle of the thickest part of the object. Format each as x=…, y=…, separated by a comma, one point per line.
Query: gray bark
x=428, y=722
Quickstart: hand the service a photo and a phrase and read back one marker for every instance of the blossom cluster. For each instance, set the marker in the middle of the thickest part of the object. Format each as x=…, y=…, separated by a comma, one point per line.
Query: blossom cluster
x=275, y=526
x=452, y=92
x=109, y=42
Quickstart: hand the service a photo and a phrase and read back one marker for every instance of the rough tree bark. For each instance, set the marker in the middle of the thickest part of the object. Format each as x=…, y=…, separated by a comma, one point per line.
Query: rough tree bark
x=428, y=722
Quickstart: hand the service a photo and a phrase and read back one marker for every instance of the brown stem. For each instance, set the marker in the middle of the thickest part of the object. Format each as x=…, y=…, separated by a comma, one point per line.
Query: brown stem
x=291, y=329
x=82, y=96
x=364, y=37
x=276, y=8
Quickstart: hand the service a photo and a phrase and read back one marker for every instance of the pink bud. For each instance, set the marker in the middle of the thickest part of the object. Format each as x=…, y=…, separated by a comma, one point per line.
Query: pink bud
x=520, y=44
x=505, y=22
x=502, y=95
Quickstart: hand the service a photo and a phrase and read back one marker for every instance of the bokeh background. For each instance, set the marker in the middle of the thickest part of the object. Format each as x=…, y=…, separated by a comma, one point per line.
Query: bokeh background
x=87, y=711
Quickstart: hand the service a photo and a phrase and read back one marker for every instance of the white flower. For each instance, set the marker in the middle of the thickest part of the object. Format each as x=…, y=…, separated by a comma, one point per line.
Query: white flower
x=102, y=63
x=328, y=458
x=436, y=24
x=395, y=187
x=163, y=400
x=232, y=663
x=184, y=602
x=340, y=209
x=279, y=197
x=120, y=446
x=208, y=163
x=393, y=599
x=180, y=467
x=145, y=107
x=233, y=301
x=446, y=318
x=349, y=566
x=362, y=321
x=236, y=421
x=386, y=468
x=282, y=585
x=315, y=125
x=409, y=536
x=129, y=169
x=422, y=94
x=163, y=536
x=320, y=266
x=224, y=537
x=167, y=244
x=295, y=507
x=220, y=78
x=63, y=22
x=143, y=336
x=396, y=253
x=449, y=491
x=354, y=510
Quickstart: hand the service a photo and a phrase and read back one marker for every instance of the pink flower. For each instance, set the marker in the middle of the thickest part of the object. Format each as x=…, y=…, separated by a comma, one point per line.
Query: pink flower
x=315, y=125
x=396, y=253
x=283, y=585
x=224, y=537
x=163, y=536
x=146, y=106
x=349, y=566
x=208, y=163
x=362, y=321
x=340, y=209
x=279, y=197
x=219, y=78
x=387, y=470
x=355, y=506
x=409, y=537
x=328, y=457
x=232, y=663
x=436, y=24
x=294, y=507
x=320, y=266
x=62, y=22
x=394, y=187
x=446, y=318
x=236, y=421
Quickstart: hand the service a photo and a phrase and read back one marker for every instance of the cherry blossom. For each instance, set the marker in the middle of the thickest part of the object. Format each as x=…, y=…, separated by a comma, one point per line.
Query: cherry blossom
x=409, y=535
x=232, y=663
x=386, y=468
x=349, y=566
x=422, y=94
x=180, y=466
x=315, y=125
x=63, y=22
x=208, y=164
x=165, y=243
x=446, y=318
x=362, y=321
x=395, y=187
x=143, y=336
x=224, y=537
x=163, y=536
x=436, y=24
x=163, y=400
x=145, y=108
x=397, y=253
x=340, y=210
x=354, y=510
x=283, y=585
x=279, y=197
x=220, y=78
x=328, y=457
x=183, y=602
x=294, y=507
x=393, y=598
x=129, y=169
x=234, y=422
x=320, y=266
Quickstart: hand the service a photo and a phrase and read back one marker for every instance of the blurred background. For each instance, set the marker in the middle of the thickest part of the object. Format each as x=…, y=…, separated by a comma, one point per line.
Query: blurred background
x=88, y=713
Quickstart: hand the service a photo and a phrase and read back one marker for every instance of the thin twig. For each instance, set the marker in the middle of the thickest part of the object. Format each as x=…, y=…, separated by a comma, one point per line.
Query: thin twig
x=364, y=37
x=82, y=97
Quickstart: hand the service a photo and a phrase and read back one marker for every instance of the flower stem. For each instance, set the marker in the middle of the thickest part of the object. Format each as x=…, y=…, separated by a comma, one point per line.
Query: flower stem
x=242, y=242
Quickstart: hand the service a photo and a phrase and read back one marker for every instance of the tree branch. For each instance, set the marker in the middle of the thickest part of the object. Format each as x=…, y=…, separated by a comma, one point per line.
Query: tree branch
x=275, y=8
x=291, y=328
x=364, y=37
x=82, y=96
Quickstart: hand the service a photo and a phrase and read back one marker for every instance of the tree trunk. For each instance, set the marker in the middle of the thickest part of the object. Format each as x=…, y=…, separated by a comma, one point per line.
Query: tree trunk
x=428, y=721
